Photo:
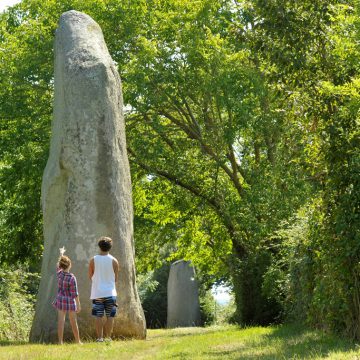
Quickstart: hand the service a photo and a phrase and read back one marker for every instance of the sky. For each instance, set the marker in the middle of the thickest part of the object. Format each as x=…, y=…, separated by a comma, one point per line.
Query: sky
x=221, y=294
x=5, y=3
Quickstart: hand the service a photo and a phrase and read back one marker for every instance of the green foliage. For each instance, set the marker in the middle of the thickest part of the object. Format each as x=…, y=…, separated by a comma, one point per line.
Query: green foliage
x=336, y=299
x=154, y=297
x=17, y=299
x=315, y=266
x=207, y=307
x=146, y=284
x=289, y=280
x=224, y=313
x=204, y=120
x=25, y=110
x=253, y=305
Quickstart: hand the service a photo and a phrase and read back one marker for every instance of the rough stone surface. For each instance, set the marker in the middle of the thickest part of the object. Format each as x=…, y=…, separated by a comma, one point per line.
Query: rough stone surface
x=86, y=188
x=183, y=296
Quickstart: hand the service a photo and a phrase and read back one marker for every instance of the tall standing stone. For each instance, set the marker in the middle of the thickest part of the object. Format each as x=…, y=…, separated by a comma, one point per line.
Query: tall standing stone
x=86, y=188
x=183, y=296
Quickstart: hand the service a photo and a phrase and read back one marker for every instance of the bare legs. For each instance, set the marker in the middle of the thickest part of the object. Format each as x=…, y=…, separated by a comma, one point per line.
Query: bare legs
x=61, y=323
x=74, y=326
x=73, y=323
x=99, y=327
x=108, y=327
x=104, y=329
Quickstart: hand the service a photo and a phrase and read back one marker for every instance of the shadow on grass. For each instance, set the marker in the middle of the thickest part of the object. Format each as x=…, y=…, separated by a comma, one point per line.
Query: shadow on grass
x=11, y=343
x=284, y=342
x=182, y=332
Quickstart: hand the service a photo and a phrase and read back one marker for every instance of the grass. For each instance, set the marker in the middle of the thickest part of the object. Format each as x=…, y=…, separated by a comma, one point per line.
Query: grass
x=216, y=342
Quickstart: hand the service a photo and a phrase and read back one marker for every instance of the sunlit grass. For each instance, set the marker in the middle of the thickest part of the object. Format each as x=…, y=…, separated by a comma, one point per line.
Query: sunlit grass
x=217, y=342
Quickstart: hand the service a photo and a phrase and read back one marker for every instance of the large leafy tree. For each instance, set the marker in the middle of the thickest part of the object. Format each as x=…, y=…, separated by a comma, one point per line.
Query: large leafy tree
x=25, y=111
x=322, y=264
x=205, y=119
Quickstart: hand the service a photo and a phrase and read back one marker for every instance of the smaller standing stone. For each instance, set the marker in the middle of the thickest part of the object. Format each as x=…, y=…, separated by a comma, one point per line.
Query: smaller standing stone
x=183, y=296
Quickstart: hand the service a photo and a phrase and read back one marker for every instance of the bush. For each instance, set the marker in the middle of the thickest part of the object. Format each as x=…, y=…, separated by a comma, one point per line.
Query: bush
x=254, y=306
x=153, y=295
x=17, y=300
x=207, y=307
x=289, y=278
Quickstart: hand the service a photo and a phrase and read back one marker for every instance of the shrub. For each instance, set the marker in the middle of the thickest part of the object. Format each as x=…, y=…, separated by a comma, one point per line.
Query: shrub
x=207, y=307
x=153, y=294
x=17, y=300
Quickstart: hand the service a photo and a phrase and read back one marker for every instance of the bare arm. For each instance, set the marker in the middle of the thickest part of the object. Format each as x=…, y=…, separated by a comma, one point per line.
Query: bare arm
x=91, y=268
x=75, y=293
x=116, y=269
x=78, y=306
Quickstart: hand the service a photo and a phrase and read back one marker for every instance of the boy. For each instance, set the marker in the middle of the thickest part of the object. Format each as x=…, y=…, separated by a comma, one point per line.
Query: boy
x=104, y=273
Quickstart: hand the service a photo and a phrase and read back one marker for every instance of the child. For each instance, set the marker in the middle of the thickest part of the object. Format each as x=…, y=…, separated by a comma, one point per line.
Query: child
x=104, y=274
x=67, y=299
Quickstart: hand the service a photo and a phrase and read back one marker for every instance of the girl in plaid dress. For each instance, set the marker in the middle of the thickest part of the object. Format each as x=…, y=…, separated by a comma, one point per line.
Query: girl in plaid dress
x=67, y=299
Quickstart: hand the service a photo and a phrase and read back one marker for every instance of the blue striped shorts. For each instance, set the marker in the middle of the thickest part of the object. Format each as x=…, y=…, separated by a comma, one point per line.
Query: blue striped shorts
x=105, y=305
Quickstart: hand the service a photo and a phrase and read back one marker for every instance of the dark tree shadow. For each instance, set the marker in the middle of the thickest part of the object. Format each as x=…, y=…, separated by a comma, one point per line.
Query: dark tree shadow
x=296, y=342
x=10, y=343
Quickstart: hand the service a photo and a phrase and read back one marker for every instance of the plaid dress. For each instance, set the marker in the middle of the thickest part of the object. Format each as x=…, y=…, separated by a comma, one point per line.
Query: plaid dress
x=67, y=291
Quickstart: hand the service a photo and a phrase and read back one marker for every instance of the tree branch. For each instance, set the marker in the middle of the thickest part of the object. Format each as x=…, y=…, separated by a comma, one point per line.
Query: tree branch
x=207, y=149
x=193, y=189
x=163, y=137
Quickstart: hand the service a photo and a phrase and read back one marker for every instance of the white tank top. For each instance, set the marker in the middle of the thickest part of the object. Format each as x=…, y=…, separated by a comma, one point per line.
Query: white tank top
x=103, y=279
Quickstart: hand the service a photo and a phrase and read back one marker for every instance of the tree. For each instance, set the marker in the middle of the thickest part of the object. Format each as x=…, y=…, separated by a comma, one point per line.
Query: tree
x=25, y=112
x=321, y=265
x=204, y=119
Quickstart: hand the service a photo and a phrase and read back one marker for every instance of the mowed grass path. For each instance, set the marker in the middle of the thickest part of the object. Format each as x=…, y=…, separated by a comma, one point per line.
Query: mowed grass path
x=217, y=342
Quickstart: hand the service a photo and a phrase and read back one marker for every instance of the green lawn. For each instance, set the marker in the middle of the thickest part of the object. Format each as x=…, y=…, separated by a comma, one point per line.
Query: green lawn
x=217, y=342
